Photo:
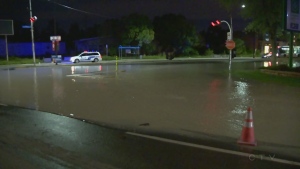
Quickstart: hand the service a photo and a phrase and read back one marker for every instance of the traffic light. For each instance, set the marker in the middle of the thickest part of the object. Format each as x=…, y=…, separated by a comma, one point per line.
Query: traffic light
x=216, y=23
x=33, y=19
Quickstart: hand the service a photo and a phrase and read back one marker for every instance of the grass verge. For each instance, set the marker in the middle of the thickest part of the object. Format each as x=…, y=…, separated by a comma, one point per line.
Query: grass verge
x=257, y=75
x=16, y=60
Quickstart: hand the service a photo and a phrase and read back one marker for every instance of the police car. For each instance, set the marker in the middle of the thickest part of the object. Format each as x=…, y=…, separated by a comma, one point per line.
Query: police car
x=86, y=57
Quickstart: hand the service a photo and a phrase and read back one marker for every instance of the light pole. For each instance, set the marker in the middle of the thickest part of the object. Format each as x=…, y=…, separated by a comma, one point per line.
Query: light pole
x=231, y=34
x=32, y=33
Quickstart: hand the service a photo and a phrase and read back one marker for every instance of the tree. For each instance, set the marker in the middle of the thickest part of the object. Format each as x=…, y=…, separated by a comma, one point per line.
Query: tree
x=112, y=28
x=175, y=34
x=74, y=33
x=138, y=30
x=216, y=37
x=266, y=17
x=52, y=29
x=240, y=46
x=93, y=31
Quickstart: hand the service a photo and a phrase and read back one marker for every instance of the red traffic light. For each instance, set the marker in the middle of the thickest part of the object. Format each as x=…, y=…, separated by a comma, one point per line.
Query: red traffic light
x=33, y=19
x=216, y=23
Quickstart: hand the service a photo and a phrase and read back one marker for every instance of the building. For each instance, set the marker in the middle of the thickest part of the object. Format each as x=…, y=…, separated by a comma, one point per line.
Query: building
x=24, y=49
x=99, y=44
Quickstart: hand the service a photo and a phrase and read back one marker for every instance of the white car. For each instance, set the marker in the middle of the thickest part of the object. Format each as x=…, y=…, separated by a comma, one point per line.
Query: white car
x=267, y=55
x=86, y=57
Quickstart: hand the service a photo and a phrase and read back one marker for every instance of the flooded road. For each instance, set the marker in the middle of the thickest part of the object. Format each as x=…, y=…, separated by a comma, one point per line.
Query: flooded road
x=186, y=99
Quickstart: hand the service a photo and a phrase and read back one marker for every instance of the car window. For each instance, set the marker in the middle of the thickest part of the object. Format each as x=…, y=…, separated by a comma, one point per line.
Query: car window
x=90, y=54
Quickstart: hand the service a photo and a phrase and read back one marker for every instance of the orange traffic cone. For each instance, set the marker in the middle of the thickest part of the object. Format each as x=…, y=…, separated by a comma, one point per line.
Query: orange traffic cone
x=247, y=136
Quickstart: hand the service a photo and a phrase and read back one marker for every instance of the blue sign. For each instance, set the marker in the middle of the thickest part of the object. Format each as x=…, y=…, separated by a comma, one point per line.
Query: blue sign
x=292, y=15
x=26, y=26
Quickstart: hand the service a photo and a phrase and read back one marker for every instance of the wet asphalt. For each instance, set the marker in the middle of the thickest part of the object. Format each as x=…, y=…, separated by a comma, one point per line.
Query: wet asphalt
x=34, y=139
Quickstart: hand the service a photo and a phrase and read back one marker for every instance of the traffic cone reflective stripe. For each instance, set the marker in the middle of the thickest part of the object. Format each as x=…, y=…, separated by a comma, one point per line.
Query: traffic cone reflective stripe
x=248, y=124
x=247, y=136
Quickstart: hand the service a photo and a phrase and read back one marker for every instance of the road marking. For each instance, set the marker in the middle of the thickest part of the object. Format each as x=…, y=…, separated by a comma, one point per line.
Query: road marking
x=214, y=149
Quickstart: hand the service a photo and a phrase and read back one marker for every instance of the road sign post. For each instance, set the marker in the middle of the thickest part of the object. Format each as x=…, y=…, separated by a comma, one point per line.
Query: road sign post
x=230, y=44
x=6, y=28
x=55, y=46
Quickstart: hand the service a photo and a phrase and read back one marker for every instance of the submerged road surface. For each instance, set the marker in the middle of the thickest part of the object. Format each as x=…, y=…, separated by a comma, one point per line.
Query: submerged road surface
x=193, y=100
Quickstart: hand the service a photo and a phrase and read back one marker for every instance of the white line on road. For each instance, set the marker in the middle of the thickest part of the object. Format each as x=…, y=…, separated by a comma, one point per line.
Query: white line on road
x=250, y=156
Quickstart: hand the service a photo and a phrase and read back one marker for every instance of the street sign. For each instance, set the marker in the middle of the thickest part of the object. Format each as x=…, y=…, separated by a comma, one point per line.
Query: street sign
x=230, y=44
x=6, y=27
x=292, y=15
x=228, y=36
x=55, y=38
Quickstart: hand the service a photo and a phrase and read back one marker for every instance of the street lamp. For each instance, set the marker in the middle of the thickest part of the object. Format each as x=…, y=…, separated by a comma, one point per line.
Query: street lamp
x=32, y=20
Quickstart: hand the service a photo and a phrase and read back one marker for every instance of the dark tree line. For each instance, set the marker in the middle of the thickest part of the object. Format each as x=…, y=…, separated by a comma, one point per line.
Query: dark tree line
x=169, y=34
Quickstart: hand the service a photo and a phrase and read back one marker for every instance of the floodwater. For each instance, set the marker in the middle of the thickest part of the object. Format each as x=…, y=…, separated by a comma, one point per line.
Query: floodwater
x=191, y=99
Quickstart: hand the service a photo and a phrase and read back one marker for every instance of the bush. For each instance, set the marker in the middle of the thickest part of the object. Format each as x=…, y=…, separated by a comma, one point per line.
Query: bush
x=189, y=51
x=209, y=52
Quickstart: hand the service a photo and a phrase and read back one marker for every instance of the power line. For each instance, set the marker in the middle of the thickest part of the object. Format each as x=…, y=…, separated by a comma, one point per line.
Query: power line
x=78, y=10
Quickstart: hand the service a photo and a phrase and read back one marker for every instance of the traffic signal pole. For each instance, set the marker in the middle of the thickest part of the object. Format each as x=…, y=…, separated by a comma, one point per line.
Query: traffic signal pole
x=229, y=40
x=32, y=33
x=231, y=35
x=230, y=30
x=291, y=46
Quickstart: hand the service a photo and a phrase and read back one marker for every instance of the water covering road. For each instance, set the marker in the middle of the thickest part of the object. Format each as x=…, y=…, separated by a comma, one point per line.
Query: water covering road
x=186, y=99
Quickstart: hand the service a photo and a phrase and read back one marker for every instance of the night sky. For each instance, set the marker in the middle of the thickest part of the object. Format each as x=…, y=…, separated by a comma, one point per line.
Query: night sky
x=89, y=12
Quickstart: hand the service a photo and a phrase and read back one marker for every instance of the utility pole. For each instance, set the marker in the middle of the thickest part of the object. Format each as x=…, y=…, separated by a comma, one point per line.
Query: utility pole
x=231, y=34
x=32, y=34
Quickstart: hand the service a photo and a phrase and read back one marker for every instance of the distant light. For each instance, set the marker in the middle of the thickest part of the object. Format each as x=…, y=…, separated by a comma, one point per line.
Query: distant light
x=243, y=6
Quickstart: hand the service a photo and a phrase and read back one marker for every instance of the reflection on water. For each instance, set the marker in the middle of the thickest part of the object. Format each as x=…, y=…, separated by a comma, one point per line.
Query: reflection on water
x=269, y=63
x=241, y=89
x=35, y=90
x=58, y=87
x=241, y=97
x=85, y=69
x=213, y=96
x=296, y=64
x=8, y=79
